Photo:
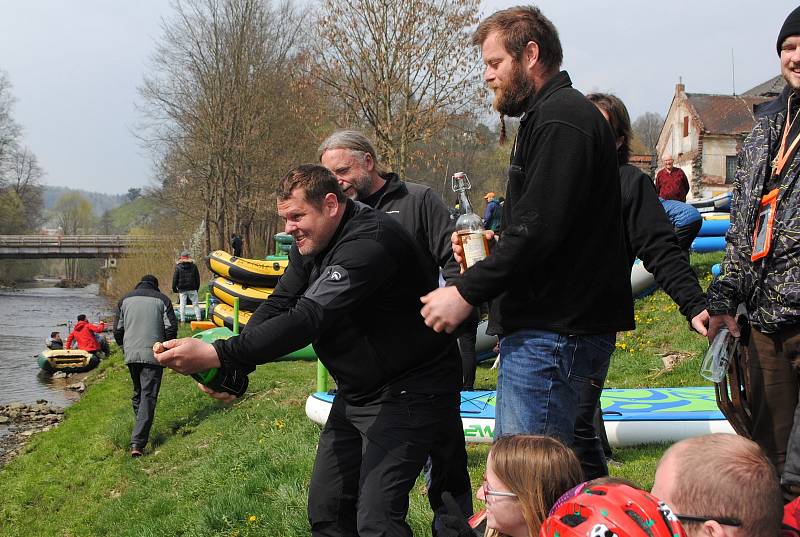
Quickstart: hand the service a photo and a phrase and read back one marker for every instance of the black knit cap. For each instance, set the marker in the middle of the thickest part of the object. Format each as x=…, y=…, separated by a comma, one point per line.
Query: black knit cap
x=151, y=279
x=791, y=26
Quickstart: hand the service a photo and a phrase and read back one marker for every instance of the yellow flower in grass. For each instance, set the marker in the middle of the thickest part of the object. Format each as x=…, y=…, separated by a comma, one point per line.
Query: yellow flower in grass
x=279, y=424
x=251, y=519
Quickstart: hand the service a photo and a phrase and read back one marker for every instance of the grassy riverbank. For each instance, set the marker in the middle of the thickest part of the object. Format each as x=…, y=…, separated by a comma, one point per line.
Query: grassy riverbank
x=243, y=470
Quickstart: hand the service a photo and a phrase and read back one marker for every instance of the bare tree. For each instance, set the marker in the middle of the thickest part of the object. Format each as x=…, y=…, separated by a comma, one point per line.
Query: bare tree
x=400, y=67
x=20, y=173
x=216, y=111
x=9, y=129
x=24, y=178
x=646, y=129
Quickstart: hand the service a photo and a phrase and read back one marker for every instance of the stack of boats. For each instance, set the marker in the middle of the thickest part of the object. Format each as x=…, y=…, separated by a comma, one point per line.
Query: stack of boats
x=716, y=221
x=249, y=280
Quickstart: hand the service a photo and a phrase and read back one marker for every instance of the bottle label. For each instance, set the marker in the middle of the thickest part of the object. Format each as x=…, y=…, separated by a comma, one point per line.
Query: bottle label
x=475, y=247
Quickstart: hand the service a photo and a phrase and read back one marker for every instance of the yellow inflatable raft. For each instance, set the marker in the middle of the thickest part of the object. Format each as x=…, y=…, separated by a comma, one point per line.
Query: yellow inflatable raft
x=249, y=297
x=222, y=315
x=254, y=272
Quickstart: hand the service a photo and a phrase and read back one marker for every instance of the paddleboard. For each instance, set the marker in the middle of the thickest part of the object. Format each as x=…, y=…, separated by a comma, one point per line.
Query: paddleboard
x=632, y=416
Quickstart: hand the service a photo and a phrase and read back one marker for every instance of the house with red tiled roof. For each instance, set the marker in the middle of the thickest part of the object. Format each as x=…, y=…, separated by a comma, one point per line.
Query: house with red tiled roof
x=703, y=133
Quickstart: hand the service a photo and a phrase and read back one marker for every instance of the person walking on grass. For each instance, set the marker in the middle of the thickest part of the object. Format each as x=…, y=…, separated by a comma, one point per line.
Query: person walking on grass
x=144, y=316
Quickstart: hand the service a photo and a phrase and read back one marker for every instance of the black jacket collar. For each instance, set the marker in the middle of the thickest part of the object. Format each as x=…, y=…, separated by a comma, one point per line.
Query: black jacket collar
x=350, y=208
x=775, y=106
x=559, y=81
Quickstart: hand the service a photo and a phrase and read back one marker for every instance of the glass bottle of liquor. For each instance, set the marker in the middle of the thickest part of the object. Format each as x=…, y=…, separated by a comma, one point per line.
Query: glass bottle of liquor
x=469, y=226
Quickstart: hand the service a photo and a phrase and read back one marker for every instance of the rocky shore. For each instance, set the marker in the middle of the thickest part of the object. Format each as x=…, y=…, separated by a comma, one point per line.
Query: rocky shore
x=21, y=421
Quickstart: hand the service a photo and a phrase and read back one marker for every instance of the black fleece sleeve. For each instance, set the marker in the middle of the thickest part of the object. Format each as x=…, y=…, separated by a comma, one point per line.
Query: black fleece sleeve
x=355, y=270
x=558, y=162
x=287, y=292
x=195, y=277
x=439, y=228
x=654, y=242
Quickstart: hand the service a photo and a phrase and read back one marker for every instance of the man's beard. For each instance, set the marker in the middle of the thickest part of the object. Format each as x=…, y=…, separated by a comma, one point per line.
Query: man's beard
x=361, y=188
x=513, y=96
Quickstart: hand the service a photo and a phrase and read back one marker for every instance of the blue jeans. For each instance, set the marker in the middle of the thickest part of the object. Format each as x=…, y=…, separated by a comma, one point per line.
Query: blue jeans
x=542, y=381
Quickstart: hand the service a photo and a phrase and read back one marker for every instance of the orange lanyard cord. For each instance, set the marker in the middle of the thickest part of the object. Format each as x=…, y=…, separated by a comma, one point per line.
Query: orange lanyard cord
x=783, y=154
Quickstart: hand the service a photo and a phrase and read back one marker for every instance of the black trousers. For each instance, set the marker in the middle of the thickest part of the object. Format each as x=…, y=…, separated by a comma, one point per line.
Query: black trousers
x=368, y=459
x=686, y=234
x=446, y=471
x=146, y=384
x=467, y=337
x=588, y=441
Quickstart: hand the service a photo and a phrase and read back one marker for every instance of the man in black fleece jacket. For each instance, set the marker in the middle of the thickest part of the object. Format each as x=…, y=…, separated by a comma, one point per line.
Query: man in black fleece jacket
x=351, y=289
x=558, y=279
x=353, y=160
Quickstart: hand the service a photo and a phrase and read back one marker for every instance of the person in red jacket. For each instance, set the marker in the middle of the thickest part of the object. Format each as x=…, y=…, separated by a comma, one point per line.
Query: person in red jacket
x=671, y=182
x=83, y=335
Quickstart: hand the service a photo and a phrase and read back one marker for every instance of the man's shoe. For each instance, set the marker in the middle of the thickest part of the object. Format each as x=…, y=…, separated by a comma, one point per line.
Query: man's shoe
x=136, y=452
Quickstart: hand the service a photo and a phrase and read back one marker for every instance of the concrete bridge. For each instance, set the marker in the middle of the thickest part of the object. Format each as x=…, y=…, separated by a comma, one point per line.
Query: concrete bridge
x=70, y=246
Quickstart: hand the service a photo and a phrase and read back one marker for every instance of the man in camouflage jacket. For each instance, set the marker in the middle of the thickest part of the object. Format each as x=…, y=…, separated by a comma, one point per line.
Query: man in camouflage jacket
x=769, y=286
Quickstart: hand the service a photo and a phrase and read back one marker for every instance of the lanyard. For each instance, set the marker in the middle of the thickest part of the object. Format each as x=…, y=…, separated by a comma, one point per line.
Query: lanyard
x=783, y=154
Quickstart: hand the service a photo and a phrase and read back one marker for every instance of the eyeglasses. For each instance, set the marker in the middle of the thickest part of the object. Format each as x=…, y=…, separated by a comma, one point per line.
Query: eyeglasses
x=489, y=492
x=724, y=520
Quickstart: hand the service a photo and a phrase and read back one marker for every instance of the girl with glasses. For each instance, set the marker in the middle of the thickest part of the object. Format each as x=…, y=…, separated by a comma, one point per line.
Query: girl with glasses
x=525, y=475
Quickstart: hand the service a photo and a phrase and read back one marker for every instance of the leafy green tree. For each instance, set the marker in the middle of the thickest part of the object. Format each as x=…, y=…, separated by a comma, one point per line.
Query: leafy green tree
x=73, y=213
x=134, y=193
x=14, y=219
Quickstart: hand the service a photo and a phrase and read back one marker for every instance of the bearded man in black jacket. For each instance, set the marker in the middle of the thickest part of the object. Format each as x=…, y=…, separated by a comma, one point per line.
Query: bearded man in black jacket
x=558, y=279
x=351, y=289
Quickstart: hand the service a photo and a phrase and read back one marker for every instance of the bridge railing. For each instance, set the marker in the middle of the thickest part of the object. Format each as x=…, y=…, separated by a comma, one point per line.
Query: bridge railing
x=44, y=241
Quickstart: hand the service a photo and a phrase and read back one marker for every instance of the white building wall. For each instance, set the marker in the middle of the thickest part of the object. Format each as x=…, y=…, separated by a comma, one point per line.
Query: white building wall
x=715, y=152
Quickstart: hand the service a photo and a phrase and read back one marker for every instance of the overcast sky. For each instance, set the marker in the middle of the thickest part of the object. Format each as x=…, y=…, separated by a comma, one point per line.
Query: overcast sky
x=75, y=66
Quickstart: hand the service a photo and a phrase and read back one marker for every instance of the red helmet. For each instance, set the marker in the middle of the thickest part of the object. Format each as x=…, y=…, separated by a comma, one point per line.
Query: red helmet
x=612, y=510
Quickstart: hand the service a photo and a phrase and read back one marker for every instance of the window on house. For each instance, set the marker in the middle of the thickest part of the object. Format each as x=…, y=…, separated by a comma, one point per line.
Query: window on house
x=685, y=126
x=730, y=169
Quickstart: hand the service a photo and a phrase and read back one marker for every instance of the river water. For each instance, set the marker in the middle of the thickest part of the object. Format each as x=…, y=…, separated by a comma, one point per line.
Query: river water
x=28, y=315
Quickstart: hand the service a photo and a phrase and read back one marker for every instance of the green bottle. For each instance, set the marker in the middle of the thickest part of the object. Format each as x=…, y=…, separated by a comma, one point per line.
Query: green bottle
x=206, y=377
x=228, y=380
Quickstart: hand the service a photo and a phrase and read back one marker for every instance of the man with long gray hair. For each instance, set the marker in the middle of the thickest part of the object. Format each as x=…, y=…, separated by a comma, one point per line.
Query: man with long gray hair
x=352, y=158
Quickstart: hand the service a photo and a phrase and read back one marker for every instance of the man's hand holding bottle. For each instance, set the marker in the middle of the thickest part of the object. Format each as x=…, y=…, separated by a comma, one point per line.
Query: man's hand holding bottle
x=458, y=249
x=190, y=356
